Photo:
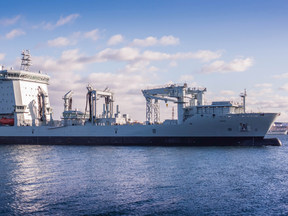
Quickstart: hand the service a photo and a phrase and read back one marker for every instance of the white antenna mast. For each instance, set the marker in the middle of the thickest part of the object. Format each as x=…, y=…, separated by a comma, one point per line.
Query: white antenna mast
x=26, y=60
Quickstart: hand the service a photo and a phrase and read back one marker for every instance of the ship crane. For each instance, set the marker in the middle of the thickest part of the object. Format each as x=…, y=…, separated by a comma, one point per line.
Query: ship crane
x=164, y=93
x=149, y=96
x=68, y=100
x=179, y=92
x=197, y=96
x=93, y=95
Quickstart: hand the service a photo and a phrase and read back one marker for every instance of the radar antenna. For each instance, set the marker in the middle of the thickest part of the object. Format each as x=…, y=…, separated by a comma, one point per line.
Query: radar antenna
x=26, y=60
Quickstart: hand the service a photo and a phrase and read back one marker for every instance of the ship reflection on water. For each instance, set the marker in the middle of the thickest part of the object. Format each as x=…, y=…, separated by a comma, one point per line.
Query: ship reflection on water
x=85, y=180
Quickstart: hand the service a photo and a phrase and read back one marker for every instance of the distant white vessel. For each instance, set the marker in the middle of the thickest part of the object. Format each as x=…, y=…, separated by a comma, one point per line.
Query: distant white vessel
x=26, y=117
x=277, y=132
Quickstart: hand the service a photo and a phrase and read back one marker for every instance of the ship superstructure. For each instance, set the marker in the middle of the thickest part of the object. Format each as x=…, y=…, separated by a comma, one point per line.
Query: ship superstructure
x=24, y=103
x=24, y=94
x=190, y=102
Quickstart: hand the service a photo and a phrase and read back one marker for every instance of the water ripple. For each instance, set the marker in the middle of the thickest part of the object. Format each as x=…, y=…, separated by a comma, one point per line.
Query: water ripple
x=98, y=180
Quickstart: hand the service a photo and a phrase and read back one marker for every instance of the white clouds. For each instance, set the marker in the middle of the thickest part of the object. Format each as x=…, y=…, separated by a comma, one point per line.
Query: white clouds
x=153, y=69
x=285, y=87
x=281, y=76
x=60, y=41
x=227, y=92
x=265, y=85
x=237, y=65
x=68, y=61
x=261, y=92
x=94, y=35
x=73, y=39
x=135, y=67
x=67, y=19
x=62, y=21
x=149, y=41
x=2, y=56
x=14, y=33
x=71, y=60
x=204, y=55
x=139, y=67
x=133, y=54
x=153, y=41
x=173, y=64
x=115, y=40
x=168, y=40
x=118, y=81
x=185, y=78
x=6, y=22
x=273, y=102
x=123, y=54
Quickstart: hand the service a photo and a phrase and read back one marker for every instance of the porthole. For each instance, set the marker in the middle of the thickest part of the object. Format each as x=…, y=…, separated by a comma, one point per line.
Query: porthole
x=229, y=129
x=154, y=130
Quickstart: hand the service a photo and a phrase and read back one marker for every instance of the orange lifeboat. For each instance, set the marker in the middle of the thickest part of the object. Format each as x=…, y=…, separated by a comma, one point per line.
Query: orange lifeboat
x=6, y=121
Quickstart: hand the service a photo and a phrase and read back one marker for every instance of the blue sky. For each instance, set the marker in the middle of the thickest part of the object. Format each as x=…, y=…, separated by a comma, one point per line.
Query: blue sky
x=225, y=46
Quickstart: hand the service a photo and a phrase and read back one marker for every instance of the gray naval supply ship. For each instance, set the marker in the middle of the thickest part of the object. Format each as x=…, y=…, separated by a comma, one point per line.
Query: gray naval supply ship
x=26, y=117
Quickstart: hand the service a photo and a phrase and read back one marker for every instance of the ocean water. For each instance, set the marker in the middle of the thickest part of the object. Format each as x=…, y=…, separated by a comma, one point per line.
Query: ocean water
x=97, y=180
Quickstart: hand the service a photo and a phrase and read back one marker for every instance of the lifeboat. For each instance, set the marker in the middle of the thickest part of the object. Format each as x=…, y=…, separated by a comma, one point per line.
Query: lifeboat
x=6, y=121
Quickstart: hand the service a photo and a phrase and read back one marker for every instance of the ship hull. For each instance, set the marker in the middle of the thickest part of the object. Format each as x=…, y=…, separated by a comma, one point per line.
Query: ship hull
x=142, y=141
x=206, y=130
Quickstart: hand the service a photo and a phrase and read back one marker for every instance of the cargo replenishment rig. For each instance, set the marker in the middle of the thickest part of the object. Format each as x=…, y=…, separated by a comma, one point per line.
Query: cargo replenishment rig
x=26, y=117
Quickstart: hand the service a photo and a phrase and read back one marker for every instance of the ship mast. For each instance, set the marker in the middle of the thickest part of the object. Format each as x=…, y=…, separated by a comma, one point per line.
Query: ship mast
x=243, y=95
x=26, y=60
